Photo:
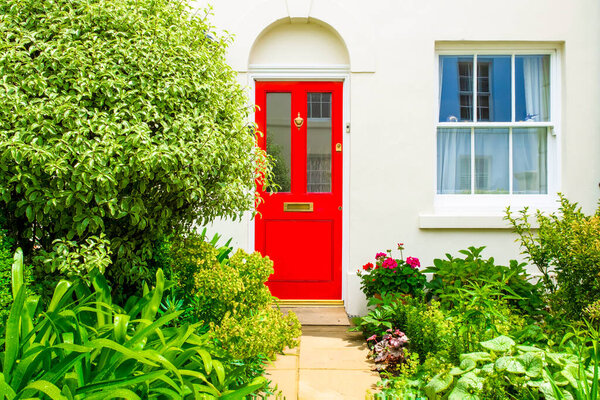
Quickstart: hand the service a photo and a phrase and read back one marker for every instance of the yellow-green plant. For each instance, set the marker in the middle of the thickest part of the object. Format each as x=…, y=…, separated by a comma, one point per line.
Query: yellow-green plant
x=82, y=346
x=566, y=250
x=228, y=292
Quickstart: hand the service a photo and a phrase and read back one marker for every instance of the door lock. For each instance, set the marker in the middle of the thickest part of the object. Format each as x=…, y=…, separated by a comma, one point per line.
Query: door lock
x=338, y=147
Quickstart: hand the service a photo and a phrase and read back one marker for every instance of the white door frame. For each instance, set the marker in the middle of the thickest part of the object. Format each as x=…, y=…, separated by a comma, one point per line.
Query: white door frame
x=315, y=73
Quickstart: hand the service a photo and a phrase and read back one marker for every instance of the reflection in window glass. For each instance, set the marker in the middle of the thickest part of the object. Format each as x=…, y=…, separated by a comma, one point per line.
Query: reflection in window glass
x=279, y=145
x=532, y=88
x=456, y=88
x=491, y=160
x=493, y=88
x=454, y=161
x=530, y=160
x=318, y=143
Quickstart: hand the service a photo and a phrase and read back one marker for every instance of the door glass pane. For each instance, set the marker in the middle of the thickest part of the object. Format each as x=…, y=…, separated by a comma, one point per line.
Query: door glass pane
x=493, y=88
x=454, y=161
x=532, y=88
x=491, y=160
x=318, y=143
x=529, y=161
x=456, y=88
x=279, y=145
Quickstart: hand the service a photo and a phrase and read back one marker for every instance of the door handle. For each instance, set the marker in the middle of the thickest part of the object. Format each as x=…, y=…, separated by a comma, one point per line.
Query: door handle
x=298, y=207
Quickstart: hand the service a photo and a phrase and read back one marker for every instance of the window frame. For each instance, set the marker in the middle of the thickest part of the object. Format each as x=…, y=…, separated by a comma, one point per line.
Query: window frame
x=475, y=203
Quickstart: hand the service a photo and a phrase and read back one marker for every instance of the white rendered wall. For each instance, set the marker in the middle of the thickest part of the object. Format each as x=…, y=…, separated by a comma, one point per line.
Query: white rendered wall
x=391, y=150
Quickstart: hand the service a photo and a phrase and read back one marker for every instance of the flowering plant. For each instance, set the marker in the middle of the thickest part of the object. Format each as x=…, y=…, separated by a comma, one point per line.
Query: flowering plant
x=392, y=275
x=388, y=351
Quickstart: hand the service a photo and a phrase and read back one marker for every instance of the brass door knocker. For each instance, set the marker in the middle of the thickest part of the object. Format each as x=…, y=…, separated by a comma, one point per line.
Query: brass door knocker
x=298, y=121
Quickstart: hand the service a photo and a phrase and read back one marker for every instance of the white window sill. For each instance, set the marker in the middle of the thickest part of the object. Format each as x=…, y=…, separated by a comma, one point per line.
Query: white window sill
x=441, y=221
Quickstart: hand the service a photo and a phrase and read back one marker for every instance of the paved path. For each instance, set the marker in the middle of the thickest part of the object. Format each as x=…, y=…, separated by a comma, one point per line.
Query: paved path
x=330, y=364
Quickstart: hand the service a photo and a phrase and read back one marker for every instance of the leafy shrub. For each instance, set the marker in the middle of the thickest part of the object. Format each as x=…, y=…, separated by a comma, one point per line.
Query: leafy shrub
x=429, y=331
x=263, y=333
x=451, y=274
x=480, y=312
x=119, y=117
x=227, y=292
x=566, y=250
x=515, y=371
x=83, y=346
x=389, y=275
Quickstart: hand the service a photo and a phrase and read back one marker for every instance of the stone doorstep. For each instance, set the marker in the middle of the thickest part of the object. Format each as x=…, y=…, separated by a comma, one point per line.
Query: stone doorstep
x=322, y=316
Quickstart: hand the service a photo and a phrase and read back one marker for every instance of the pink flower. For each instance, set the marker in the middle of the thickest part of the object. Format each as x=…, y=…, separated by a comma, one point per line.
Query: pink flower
x=413, y=262
x=374, y=337
x=400, y=246
x=380, y=255
x=389, y=263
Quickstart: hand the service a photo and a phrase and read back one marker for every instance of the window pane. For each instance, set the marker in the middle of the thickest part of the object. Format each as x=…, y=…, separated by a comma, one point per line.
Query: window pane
x=456, y=88
x=532, y=88
x=493, y=88
x=279, y=145
x=530, y=161
x=318, y=143
x=491, y=160
x=453, y=161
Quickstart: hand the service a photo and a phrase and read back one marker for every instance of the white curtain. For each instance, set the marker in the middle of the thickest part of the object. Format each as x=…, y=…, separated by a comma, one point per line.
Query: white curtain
x=491, y=160
x=453, y=161
x=529, y=160
x=536, y=76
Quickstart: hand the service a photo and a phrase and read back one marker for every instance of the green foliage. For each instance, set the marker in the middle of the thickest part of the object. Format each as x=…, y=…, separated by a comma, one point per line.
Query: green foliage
x=6, y=266
x=566, y=250
x=119, y=117
x=389, y=275
x=82, y=346
x=264, y=332
x=480, y=312
x=430, y=332
x=451, y=274
x=228, y=292
x=507, y=370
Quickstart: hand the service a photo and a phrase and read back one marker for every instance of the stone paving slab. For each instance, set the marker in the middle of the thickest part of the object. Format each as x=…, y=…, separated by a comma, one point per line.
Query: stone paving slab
x=329, y=364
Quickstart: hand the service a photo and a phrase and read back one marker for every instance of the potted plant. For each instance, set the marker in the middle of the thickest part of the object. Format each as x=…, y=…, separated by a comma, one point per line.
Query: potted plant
x=392, y=275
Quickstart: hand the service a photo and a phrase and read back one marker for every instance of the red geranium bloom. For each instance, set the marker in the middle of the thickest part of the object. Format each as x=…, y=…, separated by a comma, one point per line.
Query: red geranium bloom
x=368, y=266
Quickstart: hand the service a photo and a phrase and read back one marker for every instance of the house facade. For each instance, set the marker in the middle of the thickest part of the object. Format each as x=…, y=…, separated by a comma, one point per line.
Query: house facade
x=411, y=121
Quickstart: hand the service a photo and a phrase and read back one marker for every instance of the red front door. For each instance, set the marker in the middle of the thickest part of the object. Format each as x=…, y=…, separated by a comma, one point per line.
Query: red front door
x=300, y=226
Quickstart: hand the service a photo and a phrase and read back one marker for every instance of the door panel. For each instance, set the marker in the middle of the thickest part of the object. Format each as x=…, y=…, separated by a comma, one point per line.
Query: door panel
x=299, y=227
x=314, y=235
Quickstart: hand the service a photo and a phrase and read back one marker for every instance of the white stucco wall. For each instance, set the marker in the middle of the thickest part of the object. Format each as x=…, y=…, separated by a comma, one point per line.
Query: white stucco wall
x=390, y=153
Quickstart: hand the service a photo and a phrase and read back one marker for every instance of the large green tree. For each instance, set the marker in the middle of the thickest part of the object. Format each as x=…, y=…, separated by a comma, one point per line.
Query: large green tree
x=119, y=117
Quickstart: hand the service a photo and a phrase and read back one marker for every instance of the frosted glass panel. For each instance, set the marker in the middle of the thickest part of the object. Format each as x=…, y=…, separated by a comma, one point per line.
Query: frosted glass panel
x=279, y=145
x=318, y=143
x=530, y=174
x=491, y=160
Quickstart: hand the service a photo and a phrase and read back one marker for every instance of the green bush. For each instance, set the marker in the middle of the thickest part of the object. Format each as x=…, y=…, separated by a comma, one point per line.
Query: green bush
x=119, y=117
x=566, y=250
x=227, y=292
x=82, y=346
x=429, y=330
x=514, y=282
